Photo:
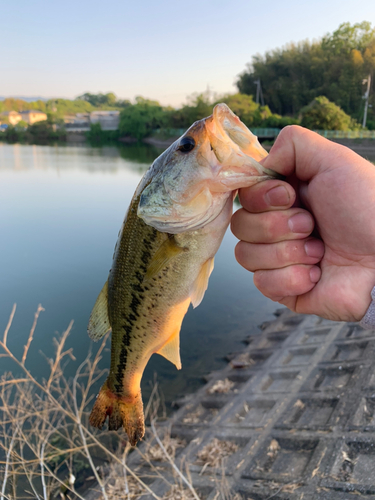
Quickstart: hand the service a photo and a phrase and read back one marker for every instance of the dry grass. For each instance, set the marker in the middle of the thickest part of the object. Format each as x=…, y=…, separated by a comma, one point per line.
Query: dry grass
x=120, y=486
x=154, y=451
x=47, y=448
x=199, y=415
x=176, y=493
x=215, y=452
x=221, y=387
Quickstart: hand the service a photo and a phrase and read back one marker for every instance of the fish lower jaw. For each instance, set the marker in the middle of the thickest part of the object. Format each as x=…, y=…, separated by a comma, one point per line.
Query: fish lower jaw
x=232, y=183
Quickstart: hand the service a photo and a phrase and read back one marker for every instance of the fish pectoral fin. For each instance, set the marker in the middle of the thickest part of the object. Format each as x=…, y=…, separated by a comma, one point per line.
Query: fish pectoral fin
x=171, y=349
x=201, y=283
x=167, y=251
x=99, y=323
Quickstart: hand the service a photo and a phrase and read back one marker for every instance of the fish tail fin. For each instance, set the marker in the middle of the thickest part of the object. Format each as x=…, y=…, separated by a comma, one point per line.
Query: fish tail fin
x=128, y=414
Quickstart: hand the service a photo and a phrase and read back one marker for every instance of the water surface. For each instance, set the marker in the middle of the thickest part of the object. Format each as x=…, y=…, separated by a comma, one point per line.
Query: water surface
x=60, y=212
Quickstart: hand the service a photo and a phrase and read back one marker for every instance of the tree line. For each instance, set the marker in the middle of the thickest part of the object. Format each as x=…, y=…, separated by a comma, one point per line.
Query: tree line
x=336, y=67
x=319, y=85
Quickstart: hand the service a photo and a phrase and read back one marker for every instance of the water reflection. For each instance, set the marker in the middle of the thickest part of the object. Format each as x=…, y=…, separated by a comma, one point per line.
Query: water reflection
x=104, y=159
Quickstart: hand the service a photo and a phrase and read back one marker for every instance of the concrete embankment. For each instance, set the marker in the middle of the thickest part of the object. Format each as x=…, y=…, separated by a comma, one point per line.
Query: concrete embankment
x=291, y=417
x=364, y=147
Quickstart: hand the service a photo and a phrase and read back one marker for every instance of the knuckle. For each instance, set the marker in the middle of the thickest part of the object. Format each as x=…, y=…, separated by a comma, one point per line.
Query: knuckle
x=281, y=254
x=275, y=227
x=299, y=281
x=292, y=250
x=269, y=226
x=295, y=277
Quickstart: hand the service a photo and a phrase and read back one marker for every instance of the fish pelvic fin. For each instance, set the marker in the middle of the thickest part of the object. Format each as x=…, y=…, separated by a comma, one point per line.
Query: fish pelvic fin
x=122, y=412
x=171, y=349
x=99, y=323
x=201, y=283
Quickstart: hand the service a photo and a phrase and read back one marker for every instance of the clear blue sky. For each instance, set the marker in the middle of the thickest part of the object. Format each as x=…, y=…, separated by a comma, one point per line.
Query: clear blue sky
x=164, y=50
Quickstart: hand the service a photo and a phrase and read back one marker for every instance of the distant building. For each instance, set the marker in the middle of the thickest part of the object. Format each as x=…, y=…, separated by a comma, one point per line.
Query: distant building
x=79, y=122
x=109, y=120
x=13, y=117
x=32, y=116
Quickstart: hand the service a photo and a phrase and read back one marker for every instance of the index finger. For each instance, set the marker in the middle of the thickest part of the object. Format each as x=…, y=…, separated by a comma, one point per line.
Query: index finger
x=267, y=195
x=305, y=153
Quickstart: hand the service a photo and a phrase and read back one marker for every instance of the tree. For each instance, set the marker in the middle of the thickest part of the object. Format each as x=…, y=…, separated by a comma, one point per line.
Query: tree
x=321, y=114
x=100, y=99
x=199, y=106
x=251, y=113
x=334, y=67
x=140, y=119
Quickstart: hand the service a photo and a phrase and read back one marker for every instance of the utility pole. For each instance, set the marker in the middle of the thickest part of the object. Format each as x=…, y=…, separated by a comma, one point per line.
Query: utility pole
x=366, y=97
x=259, y=93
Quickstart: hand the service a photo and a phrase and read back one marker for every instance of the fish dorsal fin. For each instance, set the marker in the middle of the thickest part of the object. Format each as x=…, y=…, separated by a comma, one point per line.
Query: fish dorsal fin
x=201, y=283
x=167, y=251
x=99, y=323
x=171, y=349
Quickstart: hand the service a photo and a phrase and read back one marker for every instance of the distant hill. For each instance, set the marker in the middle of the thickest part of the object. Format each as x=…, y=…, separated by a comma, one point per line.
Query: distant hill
x=23, y=98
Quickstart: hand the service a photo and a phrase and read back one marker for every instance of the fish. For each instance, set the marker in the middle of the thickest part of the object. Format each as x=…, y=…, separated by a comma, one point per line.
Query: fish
x=165, y=253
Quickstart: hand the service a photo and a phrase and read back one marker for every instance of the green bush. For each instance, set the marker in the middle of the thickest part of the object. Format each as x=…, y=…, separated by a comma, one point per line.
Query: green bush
x=251, y=113
x=140, y=119
x=277, y=121
x=12, y=135
x=44, y=132
x=322, y=114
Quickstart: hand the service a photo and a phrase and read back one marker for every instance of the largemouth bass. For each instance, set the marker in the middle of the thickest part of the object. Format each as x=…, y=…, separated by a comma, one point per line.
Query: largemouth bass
x=165, y=254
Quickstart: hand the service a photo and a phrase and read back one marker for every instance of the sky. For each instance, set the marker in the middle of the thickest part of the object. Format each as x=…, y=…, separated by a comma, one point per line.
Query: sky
x=164, y=50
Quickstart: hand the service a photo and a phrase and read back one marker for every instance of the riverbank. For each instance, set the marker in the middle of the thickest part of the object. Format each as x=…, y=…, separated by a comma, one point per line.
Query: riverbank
x=283, y=420
x=363, y=147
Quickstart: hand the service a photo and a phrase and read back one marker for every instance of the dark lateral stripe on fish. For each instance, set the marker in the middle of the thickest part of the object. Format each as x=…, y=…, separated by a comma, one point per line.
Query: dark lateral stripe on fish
x=136, y=299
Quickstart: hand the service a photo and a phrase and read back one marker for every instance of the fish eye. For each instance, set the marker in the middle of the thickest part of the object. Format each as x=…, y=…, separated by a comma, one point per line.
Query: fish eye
x=186, y=144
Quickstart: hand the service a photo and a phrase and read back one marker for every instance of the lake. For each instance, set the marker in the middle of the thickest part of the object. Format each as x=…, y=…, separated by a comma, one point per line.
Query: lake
x=61, y=208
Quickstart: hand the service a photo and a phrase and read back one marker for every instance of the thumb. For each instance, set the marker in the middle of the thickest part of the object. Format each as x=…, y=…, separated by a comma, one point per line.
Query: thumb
x=304, y=153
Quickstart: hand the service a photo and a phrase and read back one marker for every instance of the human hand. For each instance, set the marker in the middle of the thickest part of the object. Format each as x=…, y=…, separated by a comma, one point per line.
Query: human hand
x=331, y=271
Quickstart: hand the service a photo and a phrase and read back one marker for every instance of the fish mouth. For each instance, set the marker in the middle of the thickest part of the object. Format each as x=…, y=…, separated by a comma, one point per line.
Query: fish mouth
x=237, y=152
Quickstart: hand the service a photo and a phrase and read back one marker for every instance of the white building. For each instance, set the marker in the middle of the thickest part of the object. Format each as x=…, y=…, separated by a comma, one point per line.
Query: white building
x=109, y=120
x=79, y=122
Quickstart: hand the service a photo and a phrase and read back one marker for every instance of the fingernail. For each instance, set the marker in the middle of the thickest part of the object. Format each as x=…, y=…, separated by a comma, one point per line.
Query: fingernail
x=301, y=223
x=314, y=248
x=277, y=197
x=315, y=273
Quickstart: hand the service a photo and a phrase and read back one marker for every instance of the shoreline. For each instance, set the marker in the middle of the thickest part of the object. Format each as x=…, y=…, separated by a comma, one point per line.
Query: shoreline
x=279, y=414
